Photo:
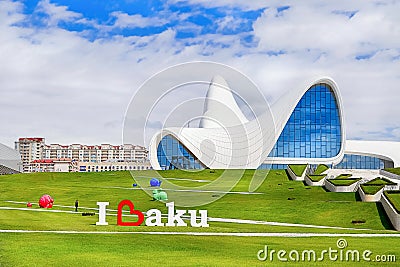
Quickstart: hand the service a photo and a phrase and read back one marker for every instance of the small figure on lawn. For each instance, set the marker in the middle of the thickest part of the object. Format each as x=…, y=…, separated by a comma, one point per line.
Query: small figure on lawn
x=76, y=205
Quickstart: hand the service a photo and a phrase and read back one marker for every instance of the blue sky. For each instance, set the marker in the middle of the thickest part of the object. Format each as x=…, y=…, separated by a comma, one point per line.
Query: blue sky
x=69, y=68
x=101, y=19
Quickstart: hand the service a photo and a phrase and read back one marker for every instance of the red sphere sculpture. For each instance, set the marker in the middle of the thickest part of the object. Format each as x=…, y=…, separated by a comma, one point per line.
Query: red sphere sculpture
x=46, y=201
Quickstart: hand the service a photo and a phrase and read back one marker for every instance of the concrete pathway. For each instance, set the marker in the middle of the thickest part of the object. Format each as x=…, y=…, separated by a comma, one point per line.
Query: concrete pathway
x=210, y=219
x=185, y=190
x=294, y=235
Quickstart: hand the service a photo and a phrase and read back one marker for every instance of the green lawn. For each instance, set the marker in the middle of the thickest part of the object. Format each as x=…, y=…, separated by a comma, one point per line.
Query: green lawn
x=298, y=169
x=148, y=250
x=373, y=186
x=371, y=189
x=309, y=205
x=320, y=169
x=394, y=198
x=380, y=181
x=281, y=200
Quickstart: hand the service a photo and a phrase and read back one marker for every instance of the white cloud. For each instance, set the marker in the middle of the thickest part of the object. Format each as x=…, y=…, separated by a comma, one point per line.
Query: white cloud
x=124, y=20
x=11, y=13
x=229, y=23
x=319, y=42
x=56, y=13
x=315, y=27
x=55, y=83
x=245, y=5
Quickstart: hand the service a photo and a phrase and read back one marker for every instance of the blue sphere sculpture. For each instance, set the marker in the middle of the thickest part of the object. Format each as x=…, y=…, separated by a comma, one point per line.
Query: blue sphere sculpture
x=155, y=182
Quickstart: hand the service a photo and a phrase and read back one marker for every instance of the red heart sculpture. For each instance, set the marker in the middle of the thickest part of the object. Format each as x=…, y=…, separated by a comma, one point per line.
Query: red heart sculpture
x=132, y=211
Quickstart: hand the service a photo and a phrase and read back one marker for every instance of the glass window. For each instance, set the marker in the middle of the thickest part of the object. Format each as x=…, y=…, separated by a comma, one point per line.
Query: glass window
x=172, y=155
x=350, y=161
x=313, y=130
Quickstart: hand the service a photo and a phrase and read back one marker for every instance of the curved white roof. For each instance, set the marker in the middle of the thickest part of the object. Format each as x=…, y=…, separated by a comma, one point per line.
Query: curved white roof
x=227, y=140
x=220, y=107
x=9, y=157
x=386, y=150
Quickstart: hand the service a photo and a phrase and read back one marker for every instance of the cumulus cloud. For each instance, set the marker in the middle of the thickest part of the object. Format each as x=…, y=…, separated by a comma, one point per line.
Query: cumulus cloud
x=124, y=20
x=54, y=13
x=57, y=83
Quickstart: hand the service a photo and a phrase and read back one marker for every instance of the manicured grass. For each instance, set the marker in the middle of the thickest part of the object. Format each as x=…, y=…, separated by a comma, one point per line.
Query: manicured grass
x=380, y=181
x=343, y=182
x=394, y=198
x=317, y=206
x=308, y=205
x=371, y=189
x=343, y=176
x=153, y=250
x=316, y=178
x=320, y=169
x=373, y=186
x=393, y=170
x=298, y=169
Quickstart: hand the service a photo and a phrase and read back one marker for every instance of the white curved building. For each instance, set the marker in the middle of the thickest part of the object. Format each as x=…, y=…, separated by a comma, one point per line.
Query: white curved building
x=304, y=126
x=10, y=160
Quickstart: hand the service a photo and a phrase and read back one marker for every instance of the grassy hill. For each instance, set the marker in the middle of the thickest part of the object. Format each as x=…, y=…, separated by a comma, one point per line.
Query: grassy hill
x=279, y=200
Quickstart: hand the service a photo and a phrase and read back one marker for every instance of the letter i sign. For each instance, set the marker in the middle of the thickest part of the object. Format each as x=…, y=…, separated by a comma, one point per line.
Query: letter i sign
x=174, y=216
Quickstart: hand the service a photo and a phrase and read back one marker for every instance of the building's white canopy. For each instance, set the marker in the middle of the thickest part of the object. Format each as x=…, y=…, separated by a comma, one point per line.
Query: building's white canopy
x=226, y=139
x=386, y=150
x=9, y=157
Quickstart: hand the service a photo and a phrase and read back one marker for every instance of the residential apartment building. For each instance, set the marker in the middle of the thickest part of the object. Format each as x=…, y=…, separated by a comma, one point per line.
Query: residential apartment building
x=96, y=153
x=113, y=166
x=53, y=165
x=36, y=156
x=30, y=148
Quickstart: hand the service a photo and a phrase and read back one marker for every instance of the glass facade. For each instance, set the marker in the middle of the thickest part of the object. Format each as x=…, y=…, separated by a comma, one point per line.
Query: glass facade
x=171, y=154
x=313, y=129
x=264, y=166
x=360, y=162
x=272, y=166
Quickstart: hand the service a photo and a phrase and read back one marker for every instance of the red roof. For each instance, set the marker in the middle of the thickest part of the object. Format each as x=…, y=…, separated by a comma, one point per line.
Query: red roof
x=48, y=161
x=37, y=139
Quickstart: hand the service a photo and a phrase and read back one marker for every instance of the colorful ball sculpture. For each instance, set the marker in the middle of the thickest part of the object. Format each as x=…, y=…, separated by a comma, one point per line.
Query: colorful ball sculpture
x=155, y=182
x=46, y=201
x=159, y=194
